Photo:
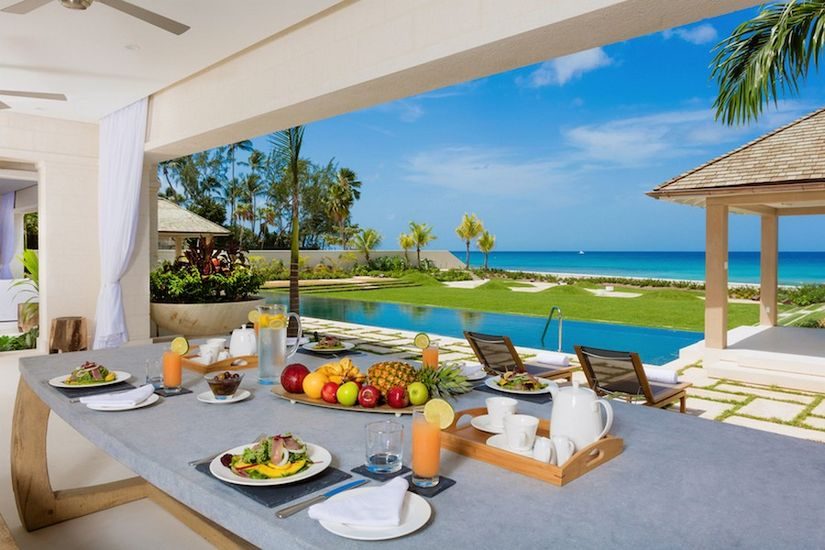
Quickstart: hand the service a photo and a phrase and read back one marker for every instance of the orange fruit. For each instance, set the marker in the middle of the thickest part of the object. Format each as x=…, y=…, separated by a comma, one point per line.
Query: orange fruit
x=314, y=383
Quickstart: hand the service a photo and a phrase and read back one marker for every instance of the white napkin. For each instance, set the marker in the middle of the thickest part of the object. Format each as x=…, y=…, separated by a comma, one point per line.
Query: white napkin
x=554, y=358
x=373, y=507
x=471, y=370
x=661, y=374
x=123, y=399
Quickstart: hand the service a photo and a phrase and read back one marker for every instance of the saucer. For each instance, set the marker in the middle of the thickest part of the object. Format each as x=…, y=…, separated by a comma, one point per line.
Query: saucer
x=483, y=423
x=500, y=442
x=209, y=397
x=478, y=374
x=152, y=399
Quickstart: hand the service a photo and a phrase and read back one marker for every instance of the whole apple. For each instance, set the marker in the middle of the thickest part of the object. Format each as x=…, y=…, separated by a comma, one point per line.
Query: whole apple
x=369, y=396
x=418, y=393
x=397, y=397
x=329, y=392
x=348, y=394
x=292, y=377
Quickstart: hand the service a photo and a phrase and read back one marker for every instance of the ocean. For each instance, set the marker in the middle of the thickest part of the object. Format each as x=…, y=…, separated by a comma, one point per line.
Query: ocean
x=794, y=267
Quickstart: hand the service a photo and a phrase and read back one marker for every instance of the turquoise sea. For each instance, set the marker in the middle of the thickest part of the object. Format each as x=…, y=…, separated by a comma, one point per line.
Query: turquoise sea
x=794, y=267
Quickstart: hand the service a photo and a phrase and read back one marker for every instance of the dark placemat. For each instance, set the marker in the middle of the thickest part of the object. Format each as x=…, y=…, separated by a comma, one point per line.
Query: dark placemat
x=163, y=392
x=331, y=355
x=363, y=471
x=277, y=495
x=86, y=391
x=539, y=398
x=444, y=483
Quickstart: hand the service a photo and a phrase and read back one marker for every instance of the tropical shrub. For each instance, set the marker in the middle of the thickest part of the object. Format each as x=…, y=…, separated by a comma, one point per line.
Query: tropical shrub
x=803, y=295
x=27, y=340
x=453, y=275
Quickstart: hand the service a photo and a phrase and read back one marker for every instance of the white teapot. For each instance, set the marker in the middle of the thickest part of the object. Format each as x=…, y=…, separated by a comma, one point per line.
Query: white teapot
x=243, y=342
x=576, y=414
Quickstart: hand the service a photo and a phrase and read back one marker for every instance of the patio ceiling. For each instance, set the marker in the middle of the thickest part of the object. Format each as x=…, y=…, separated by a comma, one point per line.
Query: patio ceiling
x=102, y=59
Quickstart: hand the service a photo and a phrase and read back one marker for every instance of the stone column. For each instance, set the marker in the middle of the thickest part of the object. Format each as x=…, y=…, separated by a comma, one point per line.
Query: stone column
x=768, y=270
x=716, y=276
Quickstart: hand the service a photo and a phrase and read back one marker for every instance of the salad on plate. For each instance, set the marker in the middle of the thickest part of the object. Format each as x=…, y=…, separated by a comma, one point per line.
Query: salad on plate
x=329, y=342
x=520, y=381
x=90, y=373
x=273, y=457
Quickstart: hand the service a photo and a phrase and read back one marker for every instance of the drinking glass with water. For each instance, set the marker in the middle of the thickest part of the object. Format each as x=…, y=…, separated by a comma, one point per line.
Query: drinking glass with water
x=385, y=446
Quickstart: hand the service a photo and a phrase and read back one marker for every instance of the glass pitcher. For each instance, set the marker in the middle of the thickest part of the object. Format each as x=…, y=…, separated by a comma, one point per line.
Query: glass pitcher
x=272, y=349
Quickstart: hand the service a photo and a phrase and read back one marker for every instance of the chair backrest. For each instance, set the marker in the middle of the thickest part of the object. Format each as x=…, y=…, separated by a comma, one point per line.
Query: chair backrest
x=609, y=371
x=496, y=353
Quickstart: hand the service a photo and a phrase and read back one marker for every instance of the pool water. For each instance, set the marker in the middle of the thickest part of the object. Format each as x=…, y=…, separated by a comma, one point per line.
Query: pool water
x=654, y=345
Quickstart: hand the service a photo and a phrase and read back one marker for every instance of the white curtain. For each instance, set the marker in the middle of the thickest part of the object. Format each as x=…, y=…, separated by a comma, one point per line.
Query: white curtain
x=122, y=135
x=7, y=240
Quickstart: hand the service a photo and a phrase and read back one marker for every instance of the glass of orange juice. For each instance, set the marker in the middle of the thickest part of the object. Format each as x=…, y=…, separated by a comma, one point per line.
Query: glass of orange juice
x=429, y=355
x=172, y=372
x=426, y=451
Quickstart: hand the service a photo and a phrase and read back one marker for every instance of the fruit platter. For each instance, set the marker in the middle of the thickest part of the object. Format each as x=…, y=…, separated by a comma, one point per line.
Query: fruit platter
x=386, y=387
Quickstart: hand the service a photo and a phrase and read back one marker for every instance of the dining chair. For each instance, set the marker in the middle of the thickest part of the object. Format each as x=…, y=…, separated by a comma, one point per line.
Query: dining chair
x=621, y=374
x=498, y=355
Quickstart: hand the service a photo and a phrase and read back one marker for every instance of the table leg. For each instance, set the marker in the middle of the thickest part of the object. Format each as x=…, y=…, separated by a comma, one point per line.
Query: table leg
x=37, y=503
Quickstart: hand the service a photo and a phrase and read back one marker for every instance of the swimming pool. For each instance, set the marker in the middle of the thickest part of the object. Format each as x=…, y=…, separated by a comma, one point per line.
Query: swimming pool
x=655, y=345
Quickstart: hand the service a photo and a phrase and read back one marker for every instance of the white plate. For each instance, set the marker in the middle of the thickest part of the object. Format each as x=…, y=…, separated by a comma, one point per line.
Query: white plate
x=483, y=423
x=58, y=381
x=209, y=397
x=345, y=346
x=415, y=514
x=500, y=442
x=290, y=341
x=317, y=454
x=492, y=383
x=152, y=399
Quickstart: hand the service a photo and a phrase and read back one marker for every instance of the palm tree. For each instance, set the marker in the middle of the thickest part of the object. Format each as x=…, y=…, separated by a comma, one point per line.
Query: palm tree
x=486, y=243
x=289, y=144
x=232, y=148
x=469, y=228
x=765, y=56
x=406, y=241
x=366, y=241
x=232, y=192
x=252, y=187
x=422, y=235
x=342, y=195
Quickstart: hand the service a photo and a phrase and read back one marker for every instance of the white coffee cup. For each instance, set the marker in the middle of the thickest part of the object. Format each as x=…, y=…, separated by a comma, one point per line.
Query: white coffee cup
x=208, y=353
x=498, y=408
x=543, y=450
x=563, y=448
x=520, y=431
x=219, y=343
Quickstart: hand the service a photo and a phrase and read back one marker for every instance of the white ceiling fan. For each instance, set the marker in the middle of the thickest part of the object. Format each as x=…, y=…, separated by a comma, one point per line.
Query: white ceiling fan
x=32, y=95
x=170, y=25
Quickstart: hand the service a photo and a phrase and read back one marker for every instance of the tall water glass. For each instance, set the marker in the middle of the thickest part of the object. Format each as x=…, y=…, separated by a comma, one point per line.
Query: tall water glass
x=385, y=446
x=273, y=352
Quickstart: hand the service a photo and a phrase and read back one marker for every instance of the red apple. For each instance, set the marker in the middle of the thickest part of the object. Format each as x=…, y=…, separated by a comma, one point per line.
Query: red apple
x=397, y=397
x=329, y=392
x=292, y=377
x=368, y=396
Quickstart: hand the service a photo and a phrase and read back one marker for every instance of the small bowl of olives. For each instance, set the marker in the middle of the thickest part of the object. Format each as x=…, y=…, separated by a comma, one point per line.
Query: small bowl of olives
x=224, y=384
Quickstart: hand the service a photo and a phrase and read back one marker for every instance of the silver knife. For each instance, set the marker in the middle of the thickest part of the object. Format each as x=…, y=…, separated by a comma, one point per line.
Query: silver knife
x=295, y=508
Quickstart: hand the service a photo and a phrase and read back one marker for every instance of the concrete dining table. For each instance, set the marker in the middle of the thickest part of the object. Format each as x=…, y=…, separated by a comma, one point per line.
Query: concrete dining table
x=680, y=481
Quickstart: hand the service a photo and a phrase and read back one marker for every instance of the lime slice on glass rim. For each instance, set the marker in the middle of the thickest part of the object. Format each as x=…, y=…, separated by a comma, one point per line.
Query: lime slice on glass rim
x=253, y=316
x=439, y=412
x=421, y=341
x=180, y=345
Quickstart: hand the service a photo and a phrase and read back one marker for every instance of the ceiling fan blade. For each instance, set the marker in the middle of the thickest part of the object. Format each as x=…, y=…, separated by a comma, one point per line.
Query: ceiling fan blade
x=34, y=95
x=149, y=16
x=24, y=7
x=3, y=106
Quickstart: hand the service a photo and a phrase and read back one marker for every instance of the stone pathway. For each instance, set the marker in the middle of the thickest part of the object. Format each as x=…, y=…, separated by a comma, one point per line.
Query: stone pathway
x=778, y=410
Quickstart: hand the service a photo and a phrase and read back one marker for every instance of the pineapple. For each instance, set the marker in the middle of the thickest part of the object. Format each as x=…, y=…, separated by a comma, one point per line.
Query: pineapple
x=444, y=382
x=389, y=374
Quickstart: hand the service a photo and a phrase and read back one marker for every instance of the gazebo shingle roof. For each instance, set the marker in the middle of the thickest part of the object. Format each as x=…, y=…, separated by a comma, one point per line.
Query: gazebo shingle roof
x=174, y=220
x=792, y=154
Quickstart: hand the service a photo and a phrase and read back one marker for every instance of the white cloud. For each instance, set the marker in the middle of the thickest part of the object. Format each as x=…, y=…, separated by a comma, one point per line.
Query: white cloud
x=700, y=34
x=562, y=70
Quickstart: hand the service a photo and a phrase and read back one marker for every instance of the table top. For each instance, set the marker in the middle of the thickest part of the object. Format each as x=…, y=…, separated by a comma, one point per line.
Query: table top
x=679, y=480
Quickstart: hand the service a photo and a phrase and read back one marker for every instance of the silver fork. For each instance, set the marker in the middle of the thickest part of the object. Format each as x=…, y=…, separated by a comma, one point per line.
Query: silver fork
x=210, y=458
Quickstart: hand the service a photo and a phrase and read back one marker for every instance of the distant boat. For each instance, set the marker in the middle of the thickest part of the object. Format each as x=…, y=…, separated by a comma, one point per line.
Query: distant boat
x=581, y=251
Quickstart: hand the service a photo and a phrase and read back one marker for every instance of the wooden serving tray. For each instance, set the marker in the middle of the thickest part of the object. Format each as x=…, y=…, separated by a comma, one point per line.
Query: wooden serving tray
x=471, y=442
x=302, y=398
x=187, y=362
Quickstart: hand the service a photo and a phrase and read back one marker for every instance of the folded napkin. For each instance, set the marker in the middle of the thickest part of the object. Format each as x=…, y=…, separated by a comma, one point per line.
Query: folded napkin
x=373, y=507
x=470, y=370
x=661, y=374
x=555, y=358
x=122, y=399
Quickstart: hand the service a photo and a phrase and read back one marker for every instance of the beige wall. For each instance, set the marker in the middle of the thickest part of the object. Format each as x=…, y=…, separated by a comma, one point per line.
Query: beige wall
x=65, y=155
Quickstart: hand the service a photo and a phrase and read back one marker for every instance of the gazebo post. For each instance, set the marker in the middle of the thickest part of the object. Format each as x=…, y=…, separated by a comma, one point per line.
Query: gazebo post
x=178, y=246
x=768, y=270
x=716, y=276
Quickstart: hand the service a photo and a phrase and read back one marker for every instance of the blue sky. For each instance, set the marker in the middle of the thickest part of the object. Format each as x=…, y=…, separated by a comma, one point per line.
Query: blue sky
x=558, y=156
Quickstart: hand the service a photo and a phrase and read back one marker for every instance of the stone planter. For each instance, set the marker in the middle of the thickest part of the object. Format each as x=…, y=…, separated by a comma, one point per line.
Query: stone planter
x=203, y=319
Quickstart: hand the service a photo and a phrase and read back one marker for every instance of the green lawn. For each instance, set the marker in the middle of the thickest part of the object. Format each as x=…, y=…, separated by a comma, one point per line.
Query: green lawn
x=680, y=309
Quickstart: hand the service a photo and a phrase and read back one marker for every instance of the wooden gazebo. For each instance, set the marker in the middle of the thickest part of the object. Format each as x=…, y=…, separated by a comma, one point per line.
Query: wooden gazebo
x=179, y=223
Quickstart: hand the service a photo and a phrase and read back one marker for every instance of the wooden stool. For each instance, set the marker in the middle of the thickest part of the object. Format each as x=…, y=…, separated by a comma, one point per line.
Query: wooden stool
x=6, y=540
x=68, y=334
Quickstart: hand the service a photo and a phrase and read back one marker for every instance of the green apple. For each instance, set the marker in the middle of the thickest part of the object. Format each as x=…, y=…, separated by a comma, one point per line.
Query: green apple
x=418, y=393
x=348, y=394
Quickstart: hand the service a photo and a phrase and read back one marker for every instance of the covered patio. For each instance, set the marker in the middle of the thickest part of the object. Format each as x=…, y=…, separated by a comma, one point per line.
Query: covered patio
x=781, y=173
